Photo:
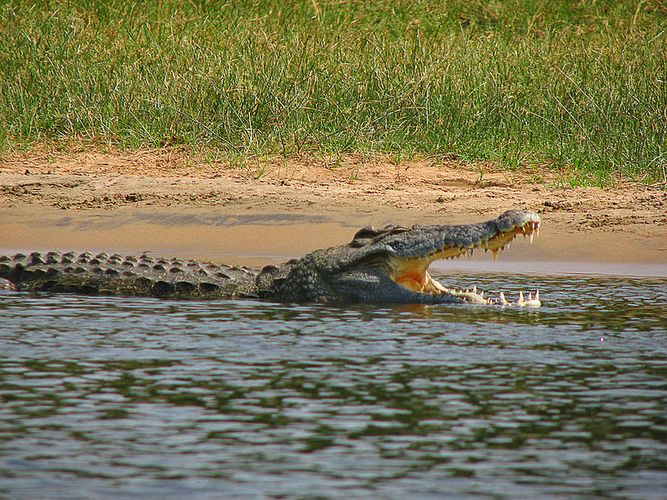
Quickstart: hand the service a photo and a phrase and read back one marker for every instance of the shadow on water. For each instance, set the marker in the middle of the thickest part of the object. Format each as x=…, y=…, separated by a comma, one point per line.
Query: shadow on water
x=143, y=398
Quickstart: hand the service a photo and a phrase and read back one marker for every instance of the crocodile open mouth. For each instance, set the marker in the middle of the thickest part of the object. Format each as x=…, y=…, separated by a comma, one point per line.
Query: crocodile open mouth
x=412, y=273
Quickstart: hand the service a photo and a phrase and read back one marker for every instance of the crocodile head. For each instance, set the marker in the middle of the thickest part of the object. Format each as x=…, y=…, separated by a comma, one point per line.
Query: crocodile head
x=391, y=264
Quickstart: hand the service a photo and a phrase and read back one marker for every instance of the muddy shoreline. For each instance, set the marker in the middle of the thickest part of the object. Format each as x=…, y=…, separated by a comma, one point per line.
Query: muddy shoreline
x=177, y=204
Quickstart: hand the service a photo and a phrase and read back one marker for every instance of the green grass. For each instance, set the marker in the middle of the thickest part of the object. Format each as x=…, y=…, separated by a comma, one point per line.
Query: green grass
x=578, y=85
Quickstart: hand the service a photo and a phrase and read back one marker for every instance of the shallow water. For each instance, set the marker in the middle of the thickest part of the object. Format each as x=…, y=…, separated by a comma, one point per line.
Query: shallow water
x=141, y=398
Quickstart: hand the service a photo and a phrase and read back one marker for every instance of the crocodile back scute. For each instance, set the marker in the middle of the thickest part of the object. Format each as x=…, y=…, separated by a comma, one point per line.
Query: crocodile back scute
x=131, y=275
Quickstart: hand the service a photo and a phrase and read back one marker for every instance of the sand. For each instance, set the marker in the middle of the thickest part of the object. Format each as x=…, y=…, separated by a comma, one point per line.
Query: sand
x=176, y=203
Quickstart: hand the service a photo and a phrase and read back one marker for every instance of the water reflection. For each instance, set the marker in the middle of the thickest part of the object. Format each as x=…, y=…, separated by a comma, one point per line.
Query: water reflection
x=107, y=397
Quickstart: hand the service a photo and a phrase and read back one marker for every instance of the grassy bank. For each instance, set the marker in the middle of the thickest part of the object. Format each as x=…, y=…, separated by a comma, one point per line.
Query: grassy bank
x=579, y=85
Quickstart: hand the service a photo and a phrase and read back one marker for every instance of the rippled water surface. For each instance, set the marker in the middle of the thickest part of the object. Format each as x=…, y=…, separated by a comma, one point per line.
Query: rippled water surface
x=128, y=398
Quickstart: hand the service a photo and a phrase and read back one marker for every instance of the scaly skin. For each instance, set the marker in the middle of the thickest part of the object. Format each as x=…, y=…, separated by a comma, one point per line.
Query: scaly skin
x=126, y=275
x=386, y=265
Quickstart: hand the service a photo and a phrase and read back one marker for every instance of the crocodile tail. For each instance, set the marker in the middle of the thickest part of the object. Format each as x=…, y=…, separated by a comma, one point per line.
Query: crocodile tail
x=127, y=275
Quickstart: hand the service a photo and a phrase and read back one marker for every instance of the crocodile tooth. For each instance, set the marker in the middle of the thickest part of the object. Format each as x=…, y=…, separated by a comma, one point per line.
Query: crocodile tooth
x=474, y=289
x=469, y=253
x=530, y=237
x=495, y=253
x=502, y=300
x=521, y=301
x=532, y=301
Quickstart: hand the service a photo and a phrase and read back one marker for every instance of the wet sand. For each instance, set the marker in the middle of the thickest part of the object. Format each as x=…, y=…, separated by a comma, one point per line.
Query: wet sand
x=258, y=238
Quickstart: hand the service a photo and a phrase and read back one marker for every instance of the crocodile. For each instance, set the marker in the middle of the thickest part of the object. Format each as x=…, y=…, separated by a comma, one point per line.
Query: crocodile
x=386, y=265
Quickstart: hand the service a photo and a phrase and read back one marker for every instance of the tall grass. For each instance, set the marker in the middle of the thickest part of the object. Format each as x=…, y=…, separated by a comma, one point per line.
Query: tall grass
x=579, y=84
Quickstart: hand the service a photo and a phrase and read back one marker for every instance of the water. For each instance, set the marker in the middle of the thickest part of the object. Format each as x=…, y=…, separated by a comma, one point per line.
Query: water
x=141, y=398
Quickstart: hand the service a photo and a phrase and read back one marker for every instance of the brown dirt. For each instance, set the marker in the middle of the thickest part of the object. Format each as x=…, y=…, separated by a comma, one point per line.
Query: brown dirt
x=625, y=223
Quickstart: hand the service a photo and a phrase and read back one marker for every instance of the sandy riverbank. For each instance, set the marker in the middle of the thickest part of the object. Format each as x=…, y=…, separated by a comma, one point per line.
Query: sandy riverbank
x=169, y=202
